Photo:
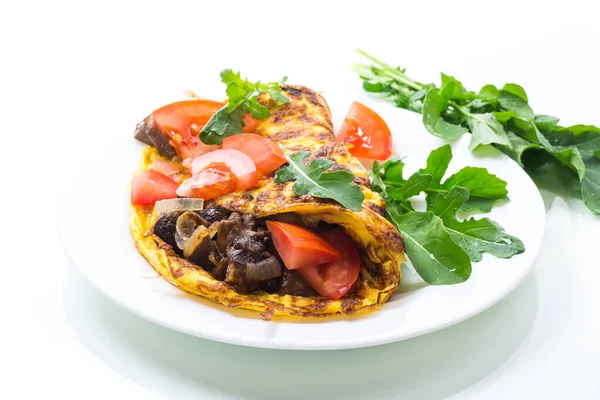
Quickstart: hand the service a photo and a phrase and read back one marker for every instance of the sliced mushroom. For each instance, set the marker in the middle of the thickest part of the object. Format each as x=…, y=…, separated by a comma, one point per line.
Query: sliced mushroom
x=195, y=240
x=266, y=268
x=204, y=252
x=186, y=226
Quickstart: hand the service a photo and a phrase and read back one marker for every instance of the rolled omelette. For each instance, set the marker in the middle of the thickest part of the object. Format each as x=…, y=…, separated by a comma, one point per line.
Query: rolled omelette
x=304, y=124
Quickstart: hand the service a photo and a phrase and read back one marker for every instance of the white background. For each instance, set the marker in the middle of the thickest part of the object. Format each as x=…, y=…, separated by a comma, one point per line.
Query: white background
x=66, y=68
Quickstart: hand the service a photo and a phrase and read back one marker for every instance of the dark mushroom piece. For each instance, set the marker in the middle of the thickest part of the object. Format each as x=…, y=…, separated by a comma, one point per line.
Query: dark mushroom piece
x=186, y=226
x=165, y=228
x=147, y=132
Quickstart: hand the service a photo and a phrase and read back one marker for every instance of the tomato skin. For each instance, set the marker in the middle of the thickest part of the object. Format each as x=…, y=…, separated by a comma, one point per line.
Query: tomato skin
x=266, y=154
x=240, y=164
x=367, y=132
x=182, y=122
x=250, y=124
x=213, y=181
x=150, y=186
x=333, y=280
x=299, y=247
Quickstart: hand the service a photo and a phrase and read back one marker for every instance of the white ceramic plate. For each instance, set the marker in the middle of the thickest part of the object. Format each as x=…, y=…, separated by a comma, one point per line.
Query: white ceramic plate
x=93, y=227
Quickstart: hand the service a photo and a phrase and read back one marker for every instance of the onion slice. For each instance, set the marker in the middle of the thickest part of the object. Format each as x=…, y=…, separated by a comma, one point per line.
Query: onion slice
x=171, y=205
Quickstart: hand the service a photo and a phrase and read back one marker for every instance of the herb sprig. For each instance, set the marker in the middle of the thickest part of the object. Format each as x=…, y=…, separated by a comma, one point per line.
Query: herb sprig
x=243, y=99
x=314, y=180
x=562, y=159
x=439, y=246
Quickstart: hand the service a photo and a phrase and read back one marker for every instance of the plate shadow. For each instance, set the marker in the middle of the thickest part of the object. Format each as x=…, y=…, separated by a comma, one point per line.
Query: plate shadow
x=183, y=367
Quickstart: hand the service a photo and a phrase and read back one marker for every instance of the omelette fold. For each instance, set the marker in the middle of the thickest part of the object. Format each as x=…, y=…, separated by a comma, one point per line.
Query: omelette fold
x=304, y=124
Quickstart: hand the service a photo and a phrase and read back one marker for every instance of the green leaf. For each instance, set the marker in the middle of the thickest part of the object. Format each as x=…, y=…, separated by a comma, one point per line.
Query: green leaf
x=458, y=91
x=474, y=236
x=258, y=111
x=480, y=204
x=486, y=130
x=243, y=96
x=546, y=122
x=562, y=159
x=276, y=94
x=434, y=104
x=577, y=147
x=479, y=182
x=314, y=181
x=434, y=254
x=490, y=94
x=504, y=116
x=374, y=87
x=512, y=102
x=221, y=125
x=516, y=90
x=437, y=164
x=415, y=184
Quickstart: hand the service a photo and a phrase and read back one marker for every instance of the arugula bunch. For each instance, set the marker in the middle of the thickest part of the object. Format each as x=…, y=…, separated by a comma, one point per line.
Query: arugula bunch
x=312, y=179
x=563, y=159
x=440, y=247
x=243, y=96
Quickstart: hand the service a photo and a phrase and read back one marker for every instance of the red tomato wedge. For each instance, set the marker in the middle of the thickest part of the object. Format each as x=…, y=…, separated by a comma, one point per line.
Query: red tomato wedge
x=164, y=168
x=182, y=122
x=266, y=154
x=334, y=279
x=240, y=164
x=299, y=247
x=150, y=186
x=250, y=123
x=214, y=181
x=367, y=132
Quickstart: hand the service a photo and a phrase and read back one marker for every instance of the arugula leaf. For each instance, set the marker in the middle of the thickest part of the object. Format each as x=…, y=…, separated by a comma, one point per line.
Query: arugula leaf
x=439, y=246
x=565, y=160
x=222, y=124
x=489, y=93
x=486, y=130
x=243, y=99
x=458, y=91
x=474, y=236
x=479, y=182
x=512, y=102
x=480, y=204
x=545, y=122
x=516, y=90
x=437, y=164
x=436, y=101
x=314, y=181
x=577, y=147
x=434, y=255
x=485, y=188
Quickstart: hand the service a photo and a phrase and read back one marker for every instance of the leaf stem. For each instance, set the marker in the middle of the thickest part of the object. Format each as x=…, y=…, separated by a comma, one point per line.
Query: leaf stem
x=392, y=72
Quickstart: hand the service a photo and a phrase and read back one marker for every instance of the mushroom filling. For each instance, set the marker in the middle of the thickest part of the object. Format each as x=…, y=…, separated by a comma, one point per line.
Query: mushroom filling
x=235, y=248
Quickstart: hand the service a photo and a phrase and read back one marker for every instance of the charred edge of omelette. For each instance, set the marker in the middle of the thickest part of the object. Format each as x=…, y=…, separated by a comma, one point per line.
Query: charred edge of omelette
x=303, y=125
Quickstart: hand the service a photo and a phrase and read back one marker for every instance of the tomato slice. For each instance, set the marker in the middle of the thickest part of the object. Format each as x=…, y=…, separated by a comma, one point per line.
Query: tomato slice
x=214, y=181
x=300, y=247
x=182, y=122
x=367, y=132
x=266, y=154
x=240, y=164
x=150, y=186
x=164, y=168
x=334, y=279
x=250, y=123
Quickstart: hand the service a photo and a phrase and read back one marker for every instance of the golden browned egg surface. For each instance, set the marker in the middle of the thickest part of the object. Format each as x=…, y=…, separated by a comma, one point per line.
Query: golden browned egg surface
x=302, y=125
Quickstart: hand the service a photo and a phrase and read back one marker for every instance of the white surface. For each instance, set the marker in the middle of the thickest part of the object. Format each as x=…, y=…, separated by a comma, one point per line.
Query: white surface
x=61, y=339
